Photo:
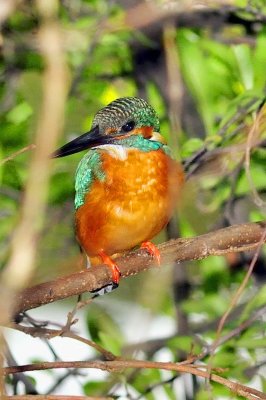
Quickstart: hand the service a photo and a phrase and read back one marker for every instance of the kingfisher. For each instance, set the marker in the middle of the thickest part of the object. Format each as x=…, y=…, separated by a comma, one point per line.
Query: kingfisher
x=127, y=184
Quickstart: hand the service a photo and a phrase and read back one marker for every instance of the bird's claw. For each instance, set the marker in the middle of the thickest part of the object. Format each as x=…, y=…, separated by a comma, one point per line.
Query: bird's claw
x=112, y=266
x=152, y=250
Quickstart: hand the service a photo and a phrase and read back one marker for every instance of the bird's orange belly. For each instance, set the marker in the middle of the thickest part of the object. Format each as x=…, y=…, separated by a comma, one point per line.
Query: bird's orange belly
x=132, y=204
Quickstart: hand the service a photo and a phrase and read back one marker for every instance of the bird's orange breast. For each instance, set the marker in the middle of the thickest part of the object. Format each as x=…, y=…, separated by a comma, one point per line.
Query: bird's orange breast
x=132, y=204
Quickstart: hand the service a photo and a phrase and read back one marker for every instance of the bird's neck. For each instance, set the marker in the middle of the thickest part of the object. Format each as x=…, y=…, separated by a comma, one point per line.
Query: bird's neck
x=122, y=146
x=140, y=143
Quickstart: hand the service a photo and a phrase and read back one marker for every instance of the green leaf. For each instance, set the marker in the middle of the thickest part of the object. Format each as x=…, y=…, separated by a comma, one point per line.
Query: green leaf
x=171, y=393
x=244, y=59
x=259, y=61
x=184, y=343
x=146, y=378
x=111, y=342
x=104, y=330
x=255, y=303
x=252, y=343
x=204, y=394
x=224, y=359
x=93, y=388
x=19, y=113
x=191, y=146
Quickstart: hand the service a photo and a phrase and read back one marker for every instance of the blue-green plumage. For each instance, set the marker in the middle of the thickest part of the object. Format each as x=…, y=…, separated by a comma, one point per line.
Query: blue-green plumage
x=88, y=170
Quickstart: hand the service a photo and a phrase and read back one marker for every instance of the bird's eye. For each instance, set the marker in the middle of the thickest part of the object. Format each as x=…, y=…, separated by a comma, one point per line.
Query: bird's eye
x=129, y=126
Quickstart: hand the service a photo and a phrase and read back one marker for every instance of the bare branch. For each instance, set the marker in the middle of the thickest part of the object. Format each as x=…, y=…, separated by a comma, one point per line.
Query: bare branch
x=120, y=365
x=236, y=238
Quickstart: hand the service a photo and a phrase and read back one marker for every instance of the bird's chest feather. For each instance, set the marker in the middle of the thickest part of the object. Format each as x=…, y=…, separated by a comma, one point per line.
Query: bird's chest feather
x=135, y=178
x=132, y=203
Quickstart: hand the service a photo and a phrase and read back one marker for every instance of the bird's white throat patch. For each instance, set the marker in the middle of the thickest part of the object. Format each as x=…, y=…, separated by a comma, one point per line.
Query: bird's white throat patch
x=115, y=151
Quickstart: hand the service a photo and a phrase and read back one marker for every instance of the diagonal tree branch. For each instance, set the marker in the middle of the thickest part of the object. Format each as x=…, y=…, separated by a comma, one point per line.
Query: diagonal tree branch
x=121, y=365
x=236, y=238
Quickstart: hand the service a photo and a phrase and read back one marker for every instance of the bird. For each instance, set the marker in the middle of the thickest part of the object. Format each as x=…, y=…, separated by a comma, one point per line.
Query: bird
x=127, y=185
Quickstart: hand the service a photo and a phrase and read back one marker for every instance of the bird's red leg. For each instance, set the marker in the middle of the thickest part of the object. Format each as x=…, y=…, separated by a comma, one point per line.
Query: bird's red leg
x=152, y=250
x=112, y=265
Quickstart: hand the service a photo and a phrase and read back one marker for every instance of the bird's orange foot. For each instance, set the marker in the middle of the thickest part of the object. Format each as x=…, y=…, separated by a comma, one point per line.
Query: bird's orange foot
x=113, y=267
x=152, y=250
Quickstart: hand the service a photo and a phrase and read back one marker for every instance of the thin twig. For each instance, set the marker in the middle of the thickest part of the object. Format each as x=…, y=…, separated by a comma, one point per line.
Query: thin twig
x=17, y=153
x=52, y=333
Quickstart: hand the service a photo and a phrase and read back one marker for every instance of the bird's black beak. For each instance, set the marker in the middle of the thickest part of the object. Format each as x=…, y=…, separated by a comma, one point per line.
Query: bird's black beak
x=88, y=140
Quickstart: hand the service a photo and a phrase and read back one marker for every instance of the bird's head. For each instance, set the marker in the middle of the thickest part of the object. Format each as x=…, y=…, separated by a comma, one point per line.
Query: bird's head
x=117, y=123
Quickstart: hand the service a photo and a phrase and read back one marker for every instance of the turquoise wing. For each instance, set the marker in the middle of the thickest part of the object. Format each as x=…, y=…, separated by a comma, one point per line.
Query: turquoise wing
x=89, y=169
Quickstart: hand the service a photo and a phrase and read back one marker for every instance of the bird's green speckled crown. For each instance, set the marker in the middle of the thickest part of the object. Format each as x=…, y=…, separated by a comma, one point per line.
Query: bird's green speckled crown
x=119, y=111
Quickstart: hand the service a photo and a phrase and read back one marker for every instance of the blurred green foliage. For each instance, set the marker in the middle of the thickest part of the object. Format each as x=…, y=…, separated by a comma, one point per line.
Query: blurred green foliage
x=223, y=73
